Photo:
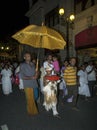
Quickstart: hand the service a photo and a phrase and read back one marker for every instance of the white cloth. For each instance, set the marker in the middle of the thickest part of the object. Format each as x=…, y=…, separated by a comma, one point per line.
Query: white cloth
x=42, y=70
x=83, y=80
x=6, y=81
x=62, y=84
x=17, y=70
x=50, y=97
x=46, y=64
x=21, y=84
x=92, y=75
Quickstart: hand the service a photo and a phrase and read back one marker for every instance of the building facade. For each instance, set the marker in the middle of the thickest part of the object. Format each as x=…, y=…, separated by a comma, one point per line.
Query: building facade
x=86, y=30
x=82, y=32
x=47, y=12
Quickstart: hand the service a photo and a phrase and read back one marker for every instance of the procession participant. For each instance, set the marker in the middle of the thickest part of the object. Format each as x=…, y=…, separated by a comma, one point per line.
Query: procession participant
x=29, y=76
x=48, y=62
x=50, y=91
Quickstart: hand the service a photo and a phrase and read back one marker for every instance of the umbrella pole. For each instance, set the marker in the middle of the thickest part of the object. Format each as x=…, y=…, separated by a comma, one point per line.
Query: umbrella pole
x=37, y=63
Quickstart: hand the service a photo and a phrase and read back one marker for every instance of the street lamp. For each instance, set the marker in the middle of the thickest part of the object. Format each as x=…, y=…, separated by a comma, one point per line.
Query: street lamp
x=68, y=21
x=2, y=48
x=7, y=48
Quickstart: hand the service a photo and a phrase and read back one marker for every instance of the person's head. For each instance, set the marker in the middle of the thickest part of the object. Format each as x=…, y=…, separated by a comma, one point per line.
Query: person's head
x=85, y=64
x=65, y=63
x=55, y=58
x=27, y=57
x=72, y=61
x=83, y=67
x=91, y=63
x=49, y=57
x=6, y=66
x=48, y=70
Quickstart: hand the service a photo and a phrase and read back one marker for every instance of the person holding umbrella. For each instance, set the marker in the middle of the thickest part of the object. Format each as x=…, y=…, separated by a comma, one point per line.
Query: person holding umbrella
x=29, y=76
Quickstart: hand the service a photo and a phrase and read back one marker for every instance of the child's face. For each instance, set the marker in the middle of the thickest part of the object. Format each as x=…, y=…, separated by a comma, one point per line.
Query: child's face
x=54, y=58
x=65, y=63
x=48, y=72
x=73, y=61
x=49, y=57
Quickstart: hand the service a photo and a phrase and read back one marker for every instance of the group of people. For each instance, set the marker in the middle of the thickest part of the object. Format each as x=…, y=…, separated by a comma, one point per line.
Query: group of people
x=68, y=80
x=6, y=76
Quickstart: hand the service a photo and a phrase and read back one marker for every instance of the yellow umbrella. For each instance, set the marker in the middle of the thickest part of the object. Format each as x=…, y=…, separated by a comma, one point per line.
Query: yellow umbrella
x=40, y=37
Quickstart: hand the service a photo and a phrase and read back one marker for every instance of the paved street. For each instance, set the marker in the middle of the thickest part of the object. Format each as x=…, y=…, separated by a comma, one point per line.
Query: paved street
x=13, y=115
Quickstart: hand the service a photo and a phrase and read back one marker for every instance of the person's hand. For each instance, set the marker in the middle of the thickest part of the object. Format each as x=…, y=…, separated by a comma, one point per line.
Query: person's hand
x=34, y=77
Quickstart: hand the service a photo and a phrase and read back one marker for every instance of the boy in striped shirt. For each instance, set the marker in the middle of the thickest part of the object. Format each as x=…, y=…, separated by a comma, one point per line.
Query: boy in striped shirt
x=70, y=76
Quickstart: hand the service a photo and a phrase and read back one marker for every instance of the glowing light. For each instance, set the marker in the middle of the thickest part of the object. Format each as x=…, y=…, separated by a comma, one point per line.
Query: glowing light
x=7, y=48
x=72, y=17
x=61, y=11
x=2, y=47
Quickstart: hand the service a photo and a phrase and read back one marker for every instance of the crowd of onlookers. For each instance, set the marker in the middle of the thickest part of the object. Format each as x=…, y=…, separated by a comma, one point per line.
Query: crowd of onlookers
x=7, y=70
x=86, y=74
x=74, y=80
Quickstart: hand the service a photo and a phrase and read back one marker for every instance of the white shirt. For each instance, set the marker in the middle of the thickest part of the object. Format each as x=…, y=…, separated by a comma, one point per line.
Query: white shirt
x=6, y=73
x=83, y=76
x=92, y=75
x=46, y=64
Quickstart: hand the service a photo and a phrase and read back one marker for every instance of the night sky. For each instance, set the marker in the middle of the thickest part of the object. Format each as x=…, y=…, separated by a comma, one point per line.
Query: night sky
x=12, y=16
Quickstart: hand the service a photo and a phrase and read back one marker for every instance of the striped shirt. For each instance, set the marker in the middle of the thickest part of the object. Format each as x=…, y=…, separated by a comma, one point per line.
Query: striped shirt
x=70, y=75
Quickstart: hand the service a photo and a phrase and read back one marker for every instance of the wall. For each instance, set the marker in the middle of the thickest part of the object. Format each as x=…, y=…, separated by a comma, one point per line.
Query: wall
x=83, y=19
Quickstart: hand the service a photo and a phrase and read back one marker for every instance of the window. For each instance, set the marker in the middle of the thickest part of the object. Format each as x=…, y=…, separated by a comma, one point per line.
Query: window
x=81, y=5
x=52, y=18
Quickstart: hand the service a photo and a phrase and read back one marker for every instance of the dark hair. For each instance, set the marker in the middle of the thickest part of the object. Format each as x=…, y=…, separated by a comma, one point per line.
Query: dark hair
x=65, y=60
x=55, y=56
x=5, y=65
x=72, y=58
x=27, y=53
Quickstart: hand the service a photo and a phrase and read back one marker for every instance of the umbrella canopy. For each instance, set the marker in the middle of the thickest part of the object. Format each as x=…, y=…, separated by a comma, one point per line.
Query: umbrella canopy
x=40, y=37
